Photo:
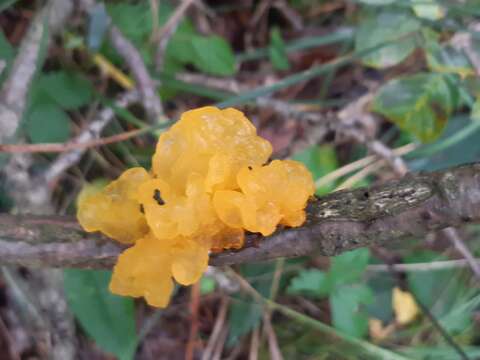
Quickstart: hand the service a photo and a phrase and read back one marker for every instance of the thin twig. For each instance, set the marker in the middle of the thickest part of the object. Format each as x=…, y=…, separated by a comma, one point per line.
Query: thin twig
x=68, y=159
x=194, y=306
x=359, y=164
x=275, y=353
x=163, y=37
x=341, y=221
x=144, y=82
x=361, y=175
x=154, y=8
x=222, y=338
x=217, y=328
x=421, y=267
x=63, y=147
x=254, y=344
x=290, y=14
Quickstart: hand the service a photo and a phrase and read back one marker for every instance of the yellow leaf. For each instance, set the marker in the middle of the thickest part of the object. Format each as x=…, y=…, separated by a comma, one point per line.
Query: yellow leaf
x=404, y=306
x=111, y=70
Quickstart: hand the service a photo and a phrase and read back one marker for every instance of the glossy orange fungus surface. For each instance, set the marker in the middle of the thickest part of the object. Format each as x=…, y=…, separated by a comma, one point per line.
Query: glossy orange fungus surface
x=209, y=183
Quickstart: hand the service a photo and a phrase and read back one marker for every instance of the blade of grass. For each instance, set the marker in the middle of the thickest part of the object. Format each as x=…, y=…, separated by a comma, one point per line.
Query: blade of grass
x=304, y=43
x=203, y=91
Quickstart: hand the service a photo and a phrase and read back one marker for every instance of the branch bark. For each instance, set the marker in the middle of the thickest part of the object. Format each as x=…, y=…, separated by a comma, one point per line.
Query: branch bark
x=341, y=221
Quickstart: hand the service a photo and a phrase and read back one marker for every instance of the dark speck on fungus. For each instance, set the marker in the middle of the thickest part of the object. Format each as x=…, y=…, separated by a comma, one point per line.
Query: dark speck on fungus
x=158, y=198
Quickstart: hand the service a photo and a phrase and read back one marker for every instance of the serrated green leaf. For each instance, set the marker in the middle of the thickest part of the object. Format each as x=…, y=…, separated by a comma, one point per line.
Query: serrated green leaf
x=349, y=266
x=313, y=282
x=47, y=123
x=419, y=104
x=345, y=305
x=277, y=50
x=68, y=90
x=387, y=26
x=213, y=55
x=107, y=318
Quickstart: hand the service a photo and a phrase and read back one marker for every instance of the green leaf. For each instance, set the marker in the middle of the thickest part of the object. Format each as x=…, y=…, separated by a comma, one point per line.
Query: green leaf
x=243, y=316
x=345, y=305
x=349, y=266
x=47, y=123
x=388, y=26
x=68, y=90
x=207, y=285
x=213, y=55
x=134, y=20
x=419, y=104
x=180, y=49
x=107, y=318
x=313, y=282
x=277, y=50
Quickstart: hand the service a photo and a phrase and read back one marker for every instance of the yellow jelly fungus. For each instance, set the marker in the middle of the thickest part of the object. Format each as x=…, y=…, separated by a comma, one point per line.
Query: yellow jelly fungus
x=115, y=211
x=209, y=183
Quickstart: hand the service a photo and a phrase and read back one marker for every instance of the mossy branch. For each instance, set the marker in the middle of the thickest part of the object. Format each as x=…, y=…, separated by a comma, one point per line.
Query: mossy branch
x=341, y=221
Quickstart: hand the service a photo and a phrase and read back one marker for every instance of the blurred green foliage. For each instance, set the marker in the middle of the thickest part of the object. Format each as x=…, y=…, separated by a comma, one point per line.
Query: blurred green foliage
x=107, y=318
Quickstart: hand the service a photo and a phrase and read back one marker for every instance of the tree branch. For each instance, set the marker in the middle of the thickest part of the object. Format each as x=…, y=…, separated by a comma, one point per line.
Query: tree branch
x=342, y=221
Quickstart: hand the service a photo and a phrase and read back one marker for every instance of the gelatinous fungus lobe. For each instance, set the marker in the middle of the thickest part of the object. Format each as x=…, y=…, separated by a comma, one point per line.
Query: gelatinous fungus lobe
x=209, y=182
